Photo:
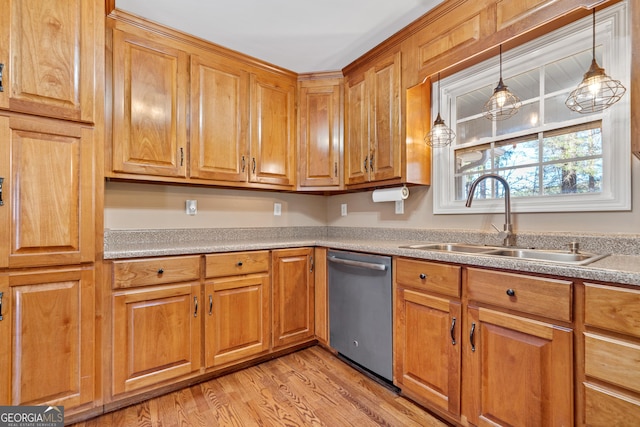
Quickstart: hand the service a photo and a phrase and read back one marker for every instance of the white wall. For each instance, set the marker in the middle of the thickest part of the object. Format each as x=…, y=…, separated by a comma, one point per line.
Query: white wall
x=152, y=206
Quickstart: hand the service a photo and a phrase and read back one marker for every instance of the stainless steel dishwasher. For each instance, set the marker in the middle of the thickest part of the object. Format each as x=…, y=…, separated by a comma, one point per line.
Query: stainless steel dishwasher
x=360, y=308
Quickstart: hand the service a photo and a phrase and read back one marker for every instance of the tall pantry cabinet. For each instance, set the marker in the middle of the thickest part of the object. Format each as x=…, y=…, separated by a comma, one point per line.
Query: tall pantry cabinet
x=49, y=102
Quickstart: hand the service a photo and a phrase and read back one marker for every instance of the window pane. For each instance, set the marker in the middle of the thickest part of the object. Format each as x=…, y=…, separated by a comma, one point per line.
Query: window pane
x=567, y=73
x=516, y=153
x=473, y=159
x=470, y=104
x=524, y=86
x=526, y=118
x=555, y=110
x=473, y=130
x=575, y=143
x=523, y=182
x=573, y=177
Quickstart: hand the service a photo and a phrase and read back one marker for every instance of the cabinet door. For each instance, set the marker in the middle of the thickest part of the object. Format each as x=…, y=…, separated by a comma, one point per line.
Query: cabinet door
x=293, y=296
x=272, y=130
x=52, y=318
x=48, y=192
x=427, y=348
x=356, y=151
x=219, y=120
x=237, y=324
x=150, y=81
x=320, y=135
x=518, y=371
x=384, y=119
x=48, y=52
x=156, y=335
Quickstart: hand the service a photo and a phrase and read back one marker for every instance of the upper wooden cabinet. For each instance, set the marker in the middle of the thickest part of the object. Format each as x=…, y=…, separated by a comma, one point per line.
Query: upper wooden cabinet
x=188, y=111
x=219, y=144
x=48, y=55
x=384, y=142
x=150, y=79
x=320, y=132
x=272, y=130
x=48, y=211
x=373, y=133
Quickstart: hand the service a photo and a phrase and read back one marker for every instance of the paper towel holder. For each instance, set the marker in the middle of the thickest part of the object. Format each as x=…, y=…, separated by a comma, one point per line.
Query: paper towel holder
x=397, y=195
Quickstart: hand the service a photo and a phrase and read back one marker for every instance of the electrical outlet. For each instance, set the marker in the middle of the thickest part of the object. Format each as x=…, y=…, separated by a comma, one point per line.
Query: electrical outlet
x=277, y=209
x=191, y=207
x=343, y=209
x=399, y=207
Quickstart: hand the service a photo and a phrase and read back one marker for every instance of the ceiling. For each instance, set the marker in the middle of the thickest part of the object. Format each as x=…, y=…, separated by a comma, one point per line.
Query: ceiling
x=299, y=35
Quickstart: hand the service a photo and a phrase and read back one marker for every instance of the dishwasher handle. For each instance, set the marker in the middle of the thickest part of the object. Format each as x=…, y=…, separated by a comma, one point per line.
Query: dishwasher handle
x=361, y=264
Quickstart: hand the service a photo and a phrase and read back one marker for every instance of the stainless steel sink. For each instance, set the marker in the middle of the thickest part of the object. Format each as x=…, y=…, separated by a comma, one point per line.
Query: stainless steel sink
x=581, y=258
x=554, y=256
x=452, y=247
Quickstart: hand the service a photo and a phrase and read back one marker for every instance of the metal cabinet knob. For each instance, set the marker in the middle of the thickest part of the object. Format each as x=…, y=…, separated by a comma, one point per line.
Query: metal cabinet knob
x=423, y=276
x=160, y=271
x=239, y=263
x=511, y=292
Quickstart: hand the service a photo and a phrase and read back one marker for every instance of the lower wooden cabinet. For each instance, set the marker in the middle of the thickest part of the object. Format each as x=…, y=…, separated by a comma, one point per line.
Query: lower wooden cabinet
x=611, y=356
x=427, y=347
x=517, y=371
x=293, y=296
x=47, y=326
x=156, y=334
x=237, y=295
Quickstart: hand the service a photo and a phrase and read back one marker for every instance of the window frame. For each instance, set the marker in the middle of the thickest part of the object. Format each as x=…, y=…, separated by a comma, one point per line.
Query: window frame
x=613, y=34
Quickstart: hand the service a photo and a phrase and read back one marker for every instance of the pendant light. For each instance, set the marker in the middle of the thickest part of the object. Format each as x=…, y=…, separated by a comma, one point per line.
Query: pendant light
x=503, y=103
x=597, y=91
x=440, y=134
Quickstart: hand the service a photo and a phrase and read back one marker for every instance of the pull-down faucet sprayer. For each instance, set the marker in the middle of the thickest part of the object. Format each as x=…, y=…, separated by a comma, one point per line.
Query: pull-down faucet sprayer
x=507, y=233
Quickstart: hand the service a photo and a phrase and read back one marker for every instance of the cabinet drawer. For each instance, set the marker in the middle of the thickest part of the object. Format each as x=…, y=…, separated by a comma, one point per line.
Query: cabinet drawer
x=611, y=360
x=535, y=295
x=614, y=309
x=606, y=408
x=232, y=264
x=428, y=276
x=155, y=271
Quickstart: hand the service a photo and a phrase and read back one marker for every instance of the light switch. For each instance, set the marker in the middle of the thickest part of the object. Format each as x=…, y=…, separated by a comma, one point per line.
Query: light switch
x=277, y=209
x=343, y=209
x=191, y=207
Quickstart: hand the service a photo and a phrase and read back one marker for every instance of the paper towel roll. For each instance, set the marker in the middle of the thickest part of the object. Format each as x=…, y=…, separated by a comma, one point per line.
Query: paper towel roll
x=390, y=194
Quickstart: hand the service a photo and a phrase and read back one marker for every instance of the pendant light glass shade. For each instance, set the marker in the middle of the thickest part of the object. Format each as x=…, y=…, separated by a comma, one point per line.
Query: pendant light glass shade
x=597, y=91
x=440, y=134
x=503, y=103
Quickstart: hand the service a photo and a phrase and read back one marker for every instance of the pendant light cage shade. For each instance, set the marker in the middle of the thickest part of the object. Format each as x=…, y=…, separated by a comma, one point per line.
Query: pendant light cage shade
x=440, y=134
x=503, y=103
x=597, y=91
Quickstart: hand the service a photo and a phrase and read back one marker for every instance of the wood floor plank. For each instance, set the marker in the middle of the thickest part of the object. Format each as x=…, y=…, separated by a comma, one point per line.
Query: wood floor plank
x=311, y=387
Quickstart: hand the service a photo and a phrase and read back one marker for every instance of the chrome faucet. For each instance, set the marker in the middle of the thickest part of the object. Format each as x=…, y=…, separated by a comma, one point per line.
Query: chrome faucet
x=507, y=232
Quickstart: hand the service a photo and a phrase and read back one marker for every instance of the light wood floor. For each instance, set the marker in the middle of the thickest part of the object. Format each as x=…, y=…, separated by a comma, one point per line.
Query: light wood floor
x=308, y=388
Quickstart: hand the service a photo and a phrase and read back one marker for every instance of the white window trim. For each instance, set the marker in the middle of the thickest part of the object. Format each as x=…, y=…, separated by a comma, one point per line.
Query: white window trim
x=616, y=192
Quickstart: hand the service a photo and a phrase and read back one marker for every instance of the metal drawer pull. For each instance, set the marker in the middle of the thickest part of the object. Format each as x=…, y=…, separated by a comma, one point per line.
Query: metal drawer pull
x=243, y=164
x=453, y=331
x=1, y=181
x=511, y=292
x=161, y=270
x=1, y=70
x=195, y=311
x=368, y=265
x=1, y=295
x=210, y=305
x=239, y=263
x=423, y=276
x=472, y=337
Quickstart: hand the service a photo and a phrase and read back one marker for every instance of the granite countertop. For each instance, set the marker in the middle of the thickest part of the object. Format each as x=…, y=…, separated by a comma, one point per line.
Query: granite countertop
x=622, y=266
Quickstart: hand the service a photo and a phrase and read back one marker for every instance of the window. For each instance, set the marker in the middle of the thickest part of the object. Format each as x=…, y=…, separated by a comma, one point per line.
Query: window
x=553, y=158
